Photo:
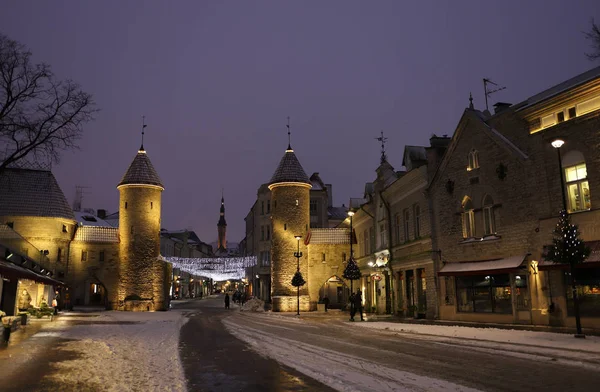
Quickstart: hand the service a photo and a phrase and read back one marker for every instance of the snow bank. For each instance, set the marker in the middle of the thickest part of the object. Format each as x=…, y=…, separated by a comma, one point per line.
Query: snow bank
x=525, y=338
x=253, y=305
x=124, y=350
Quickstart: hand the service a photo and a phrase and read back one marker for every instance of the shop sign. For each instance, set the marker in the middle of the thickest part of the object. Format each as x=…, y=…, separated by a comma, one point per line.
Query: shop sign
x=377, y=278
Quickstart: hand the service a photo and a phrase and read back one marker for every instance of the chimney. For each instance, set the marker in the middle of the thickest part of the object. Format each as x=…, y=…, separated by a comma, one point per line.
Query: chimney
x=329, y=195
x=101, y=214
x=501, y=106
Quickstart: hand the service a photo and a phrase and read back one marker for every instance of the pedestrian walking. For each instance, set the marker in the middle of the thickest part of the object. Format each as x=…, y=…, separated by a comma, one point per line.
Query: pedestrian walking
x=326, y=303
x=352, y=307
x=226, y=300
x=358, y=304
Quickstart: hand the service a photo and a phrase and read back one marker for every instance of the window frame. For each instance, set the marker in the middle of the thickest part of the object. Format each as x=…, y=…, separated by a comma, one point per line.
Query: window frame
x=417, y=220
x=468, y=218
x=489, y=216
x=579, y=182
x=473, y=160
x=406, y=219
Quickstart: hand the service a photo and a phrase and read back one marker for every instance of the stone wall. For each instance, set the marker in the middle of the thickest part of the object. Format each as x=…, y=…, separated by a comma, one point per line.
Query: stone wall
x=290, y=217
x=320, y=271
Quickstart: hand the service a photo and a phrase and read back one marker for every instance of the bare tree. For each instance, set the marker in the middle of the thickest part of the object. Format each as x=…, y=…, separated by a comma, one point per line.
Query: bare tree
x=594, y=37
x=39, y=115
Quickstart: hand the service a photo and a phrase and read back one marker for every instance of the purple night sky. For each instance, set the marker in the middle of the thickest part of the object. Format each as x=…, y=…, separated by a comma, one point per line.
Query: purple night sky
x=217, y=79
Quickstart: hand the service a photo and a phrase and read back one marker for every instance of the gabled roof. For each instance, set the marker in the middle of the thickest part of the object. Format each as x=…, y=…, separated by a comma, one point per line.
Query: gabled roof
x=337, y=213
x=329, y=236
x=414, y=154
x=289, y=170
x=141, y=171
x=87, y=219
x=317, y=183
x=25, y=192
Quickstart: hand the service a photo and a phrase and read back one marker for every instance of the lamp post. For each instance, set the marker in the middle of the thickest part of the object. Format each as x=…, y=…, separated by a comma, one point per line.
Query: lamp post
x=557, y=144
x=298, y=255
x=351, y=214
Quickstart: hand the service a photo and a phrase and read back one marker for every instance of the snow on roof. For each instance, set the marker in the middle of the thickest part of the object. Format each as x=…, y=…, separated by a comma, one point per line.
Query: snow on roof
x=575, y=81
x=491, y=266
x=329, y=236
x=87, y=219
x=97, y=234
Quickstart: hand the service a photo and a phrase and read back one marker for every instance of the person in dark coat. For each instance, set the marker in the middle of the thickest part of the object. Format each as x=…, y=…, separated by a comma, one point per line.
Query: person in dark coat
x=226, y=300
x=358, y=304
x=352, y=307
x=326, y=302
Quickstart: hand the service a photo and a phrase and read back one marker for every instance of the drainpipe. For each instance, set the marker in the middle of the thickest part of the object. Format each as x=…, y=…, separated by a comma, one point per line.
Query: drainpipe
x=389, y=241
x=437, y=251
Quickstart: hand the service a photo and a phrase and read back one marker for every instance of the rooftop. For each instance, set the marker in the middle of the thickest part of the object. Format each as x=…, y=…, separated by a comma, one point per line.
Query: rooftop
x=289, y=170
x=141, y=171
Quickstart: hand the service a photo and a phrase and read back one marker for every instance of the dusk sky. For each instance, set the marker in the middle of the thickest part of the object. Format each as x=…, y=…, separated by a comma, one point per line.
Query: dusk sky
x=216, y=81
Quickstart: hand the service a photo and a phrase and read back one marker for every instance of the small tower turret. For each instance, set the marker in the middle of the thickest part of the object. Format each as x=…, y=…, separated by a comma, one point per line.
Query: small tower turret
x=142, y=277
x=290, y=198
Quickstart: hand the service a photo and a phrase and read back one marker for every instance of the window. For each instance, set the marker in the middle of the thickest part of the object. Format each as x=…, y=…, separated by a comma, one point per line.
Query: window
x=344, y=257
x=382, y=235
x=64, y=229
x=417, y=215
x=268, y=233
x=83, y=255
x=323, y=257
x=313, y=207
x=468, y=218
x=151, y=205
x=12, y=225
x=125, y=205
x=560, y=117
x=473, y=160
x=131, y=230
x=489, y=221
x=484, y=293
x=588, y=292
x=268, y=206
x=372, y=239
x=59, y=255
x=397, y=226
x=572, y=112
x=406, y=225
x=262, y=207
x=262, y=233
x=578, y=188
x=101, y=256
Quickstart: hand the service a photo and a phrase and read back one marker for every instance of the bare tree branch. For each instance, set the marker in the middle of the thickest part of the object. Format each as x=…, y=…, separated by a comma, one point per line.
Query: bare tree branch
x=594, y=37
x=39, y=116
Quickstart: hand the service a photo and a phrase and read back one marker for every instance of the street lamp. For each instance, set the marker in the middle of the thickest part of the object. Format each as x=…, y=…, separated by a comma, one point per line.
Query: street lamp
x=298, y=255
x=557, y=144
x=351, y=214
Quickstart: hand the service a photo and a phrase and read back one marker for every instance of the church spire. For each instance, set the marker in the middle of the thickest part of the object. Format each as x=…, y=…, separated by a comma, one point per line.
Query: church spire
x=222, y=225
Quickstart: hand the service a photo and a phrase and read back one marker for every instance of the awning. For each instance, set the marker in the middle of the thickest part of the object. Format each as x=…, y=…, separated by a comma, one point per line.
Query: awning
x=11, y=270
x=500, y=266
x=592, y=261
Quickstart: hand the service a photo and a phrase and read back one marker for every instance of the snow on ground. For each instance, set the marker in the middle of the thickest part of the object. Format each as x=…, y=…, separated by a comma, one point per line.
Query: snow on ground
x=340, y=371
x=518, y=337
x=123, y=350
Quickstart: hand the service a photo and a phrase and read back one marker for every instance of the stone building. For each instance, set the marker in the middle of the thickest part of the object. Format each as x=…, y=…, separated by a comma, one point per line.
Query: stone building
x=288, y=207
x=94, y=262
x=496, y=197
x=259, y=230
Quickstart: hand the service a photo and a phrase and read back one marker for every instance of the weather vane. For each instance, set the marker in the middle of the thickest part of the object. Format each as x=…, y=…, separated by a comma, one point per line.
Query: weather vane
x=289, y=134
x=382, y=139
x=143, y=126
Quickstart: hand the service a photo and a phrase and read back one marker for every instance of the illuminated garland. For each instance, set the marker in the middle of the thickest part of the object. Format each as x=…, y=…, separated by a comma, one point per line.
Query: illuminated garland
x=218, y=268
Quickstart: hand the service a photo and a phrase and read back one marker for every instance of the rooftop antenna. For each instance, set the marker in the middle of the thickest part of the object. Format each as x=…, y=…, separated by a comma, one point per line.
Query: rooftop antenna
x=489, y=92
x=382, y=139
x=289, y=134
x=143, y=126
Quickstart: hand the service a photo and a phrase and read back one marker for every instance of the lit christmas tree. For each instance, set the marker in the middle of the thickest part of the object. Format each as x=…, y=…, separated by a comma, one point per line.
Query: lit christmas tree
x=566, y=247
x=352, y=272
x=298, y=280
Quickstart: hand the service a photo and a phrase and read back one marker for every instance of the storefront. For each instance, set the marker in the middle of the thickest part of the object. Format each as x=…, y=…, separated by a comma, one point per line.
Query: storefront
x=487, y=291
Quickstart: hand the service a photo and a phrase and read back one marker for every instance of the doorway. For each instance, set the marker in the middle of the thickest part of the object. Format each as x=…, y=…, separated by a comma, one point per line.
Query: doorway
x=336, y=291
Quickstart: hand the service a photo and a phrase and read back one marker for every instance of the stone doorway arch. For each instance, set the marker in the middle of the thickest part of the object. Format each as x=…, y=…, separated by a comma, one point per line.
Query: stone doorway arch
x=336, y=290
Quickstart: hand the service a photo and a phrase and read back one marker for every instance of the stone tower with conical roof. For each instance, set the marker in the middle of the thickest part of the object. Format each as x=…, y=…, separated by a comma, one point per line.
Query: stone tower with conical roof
x=222, y=227
x=143, y=278
x=290, y=200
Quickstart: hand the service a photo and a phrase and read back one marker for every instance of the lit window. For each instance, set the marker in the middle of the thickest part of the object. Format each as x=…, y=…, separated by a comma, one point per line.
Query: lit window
x=468, y=218
x=489, y=222
x=473, y=160
x=578, y=188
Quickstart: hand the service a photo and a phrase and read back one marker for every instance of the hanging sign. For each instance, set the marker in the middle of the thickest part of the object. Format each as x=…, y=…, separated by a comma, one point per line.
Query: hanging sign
x=377, y=278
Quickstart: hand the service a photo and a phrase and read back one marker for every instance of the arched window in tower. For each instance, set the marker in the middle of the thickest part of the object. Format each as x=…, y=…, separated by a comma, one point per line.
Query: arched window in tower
x=468, y=218
x=473, y=160
x=131, y=230
x=151, y=205
x=125, y=205
x=489, y=220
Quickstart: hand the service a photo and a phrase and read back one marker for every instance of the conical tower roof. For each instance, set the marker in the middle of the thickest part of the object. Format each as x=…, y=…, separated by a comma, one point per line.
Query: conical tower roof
x=289, y=170
x=141, y=171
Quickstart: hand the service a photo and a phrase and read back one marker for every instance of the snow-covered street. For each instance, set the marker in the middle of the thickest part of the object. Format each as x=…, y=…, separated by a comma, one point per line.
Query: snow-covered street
x=200, y=346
